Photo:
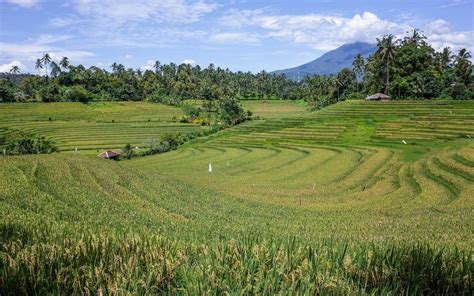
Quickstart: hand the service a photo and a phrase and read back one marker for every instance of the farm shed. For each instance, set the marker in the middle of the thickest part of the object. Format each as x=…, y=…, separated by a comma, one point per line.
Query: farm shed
x=110, y=155
x=378, y=97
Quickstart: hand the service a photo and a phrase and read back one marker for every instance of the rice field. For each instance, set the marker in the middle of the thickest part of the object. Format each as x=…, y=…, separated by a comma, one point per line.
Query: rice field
x=298, y=202
x=93, y=127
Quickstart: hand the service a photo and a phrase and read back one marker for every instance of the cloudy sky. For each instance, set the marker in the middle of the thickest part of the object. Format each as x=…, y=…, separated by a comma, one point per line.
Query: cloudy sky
x=247, y=35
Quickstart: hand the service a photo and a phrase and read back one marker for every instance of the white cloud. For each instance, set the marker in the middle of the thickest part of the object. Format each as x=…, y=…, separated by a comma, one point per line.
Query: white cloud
x=137, y=23
x=234, y=38
x=326, y=32
x=148, y=66
x=125, y=11
x=50, y=38
x=32, y=51
x=24, y=3
x=7, y=67
x=455, y=3
x=128, y=56
x=189, y=61
x=29, y=51
x=59, y=22
x=440, y=34
x=323, y=32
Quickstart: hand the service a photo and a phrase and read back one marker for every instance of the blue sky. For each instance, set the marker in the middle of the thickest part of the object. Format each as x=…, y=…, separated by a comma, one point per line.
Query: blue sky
x=241, y=35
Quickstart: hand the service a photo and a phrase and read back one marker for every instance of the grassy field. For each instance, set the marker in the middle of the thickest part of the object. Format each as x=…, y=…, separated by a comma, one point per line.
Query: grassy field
x=328, y=202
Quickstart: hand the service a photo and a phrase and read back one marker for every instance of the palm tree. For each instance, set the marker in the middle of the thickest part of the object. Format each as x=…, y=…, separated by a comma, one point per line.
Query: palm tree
x=114, y=67
x=46, y=61
x=15, y=69
x=55, y=69
x=416, y=37
x=64, y=63
x=463, y=66
x=386, y=51
x=39, y=66
x=157, y=67
x=358, y=64
x=444, y=59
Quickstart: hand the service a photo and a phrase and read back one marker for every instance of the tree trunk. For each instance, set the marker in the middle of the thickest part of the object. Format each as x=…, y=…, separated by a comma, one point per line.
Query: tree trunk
x=388, y=78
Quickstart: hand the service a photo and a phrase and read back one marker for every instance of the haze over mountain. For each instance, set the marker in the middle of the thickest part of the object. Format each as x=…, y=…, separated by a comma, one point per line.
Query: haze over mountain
x=331, y=62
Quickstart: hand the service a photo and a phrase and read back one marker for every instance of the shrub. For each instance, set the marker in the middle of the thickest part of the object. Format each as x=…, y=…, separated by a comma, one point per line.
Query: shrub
x=231, y=112
x=458, y=91
x=31, y=145
x=128, y=151
x=78, y=93
x=6, y=91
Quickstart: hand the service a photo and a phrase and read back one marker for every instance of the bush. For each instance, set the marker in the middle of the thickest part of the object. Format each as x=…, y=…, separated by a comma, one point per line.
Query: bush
x=171, y=141
x=31, y=145
x=156, y=97
x=128, y=151
x=6, y=91
x=231, y=112
x=78, y=93
x=191, y=111
x=458, y=91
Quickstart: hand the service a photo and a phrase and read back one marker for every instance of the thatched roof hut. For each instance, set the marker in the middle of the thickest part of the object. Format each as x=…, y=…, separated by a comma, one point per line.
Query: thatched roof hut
x=377, y=97
x=110, y=155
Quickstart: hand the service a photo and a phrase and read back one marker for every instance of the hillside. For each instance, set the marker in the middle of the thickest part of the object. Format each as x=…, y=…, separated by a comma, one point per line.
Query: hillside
x=298, y=194
x=331, y=62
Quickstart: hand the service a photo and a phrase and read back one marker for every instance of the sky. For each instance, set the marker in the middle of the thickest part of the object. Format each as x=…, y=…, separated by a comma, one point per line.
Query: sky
x=241, y=35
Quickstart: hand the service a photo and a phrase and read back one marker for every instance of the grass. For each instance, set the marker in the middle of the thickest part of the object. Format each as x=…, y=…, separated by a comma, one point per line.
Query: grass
x=329, y=202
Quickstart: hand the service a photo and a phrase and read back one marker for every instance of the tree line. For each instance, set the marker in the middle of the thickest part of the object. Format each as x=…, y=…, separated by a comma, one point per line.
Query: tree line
x=407, y=68
x=165, y=83
x=403, y=68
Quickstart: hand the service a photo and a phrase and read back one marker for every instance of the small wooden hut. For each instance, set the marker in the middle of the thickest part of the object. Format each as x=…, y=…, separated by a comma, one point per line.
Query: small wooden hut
x=110, y=155
x=378, y=97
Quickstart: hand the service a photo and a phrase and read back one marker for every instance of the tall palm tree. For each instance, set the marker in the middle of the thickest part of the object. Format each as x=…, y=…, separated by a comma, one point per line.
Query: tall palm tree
x=46, y=61
x=358, y=64
x=386, y=52
x=157, y=67
x=114, y=67
x=444, y=59
x=55, y=69
x=416, y=37
x=39, y=65
x=64, y=63
x=15, y=69
x=463, y=66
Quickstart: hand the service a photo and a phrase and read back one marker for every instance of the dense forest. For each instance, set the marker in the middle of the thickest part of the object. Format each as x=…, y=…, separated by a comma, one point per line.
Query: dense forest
x=403, y=68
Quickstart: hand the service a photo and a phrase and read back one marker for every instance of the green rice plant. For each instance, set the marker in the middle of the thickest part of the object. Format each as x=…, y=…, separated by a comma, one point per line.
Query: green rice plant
x=297, y=202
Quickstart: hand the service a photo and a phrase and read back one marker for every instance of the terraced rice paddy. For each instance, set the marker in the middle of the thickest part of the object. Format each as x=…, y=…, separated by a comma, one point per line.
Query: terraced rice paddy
x=328, y=202
x=92, y=127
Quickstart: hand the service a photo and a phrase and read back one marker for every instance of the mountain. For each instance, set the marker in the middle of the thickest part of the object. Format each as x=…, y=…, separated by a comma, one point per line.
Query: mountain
x=331, y=62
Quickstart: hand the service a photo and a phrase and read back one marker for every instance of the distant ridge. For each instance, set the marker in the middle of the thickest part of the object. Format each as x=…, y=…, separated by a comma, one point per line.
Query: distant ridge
x=331, y=62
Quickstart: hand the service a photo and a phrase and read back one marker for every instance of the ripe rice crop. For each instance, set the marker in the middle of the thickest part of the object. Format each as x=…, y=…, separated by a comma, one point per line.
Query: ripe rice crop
x=326, y=202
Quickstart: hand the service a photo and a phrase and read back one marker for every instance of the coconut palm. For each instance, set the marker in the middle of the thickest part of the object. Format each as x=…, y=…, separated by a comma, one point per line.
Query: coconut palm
x=39, y=66
x=416, y=38
x=114, y=67
x=46, y=61
x=15, y=69
x=55, y=69
x=463, y=66
x=64, y=63
x=386, y=52
x=157, y=67
x=358, y=64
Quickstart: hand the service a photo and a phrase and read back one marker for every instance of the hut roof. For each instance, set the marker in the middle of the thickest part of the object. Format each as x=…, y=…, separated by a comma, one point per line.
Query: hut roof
x=109, y=154
x=378, y=96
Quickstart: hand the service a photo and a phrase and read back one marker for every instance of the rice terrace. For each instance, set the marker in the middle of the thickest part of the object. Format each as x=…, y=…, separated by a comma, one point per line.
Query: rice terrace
x=178, y=179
